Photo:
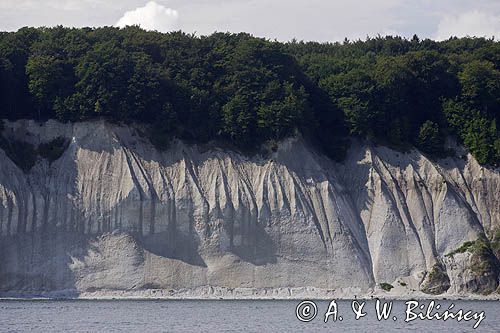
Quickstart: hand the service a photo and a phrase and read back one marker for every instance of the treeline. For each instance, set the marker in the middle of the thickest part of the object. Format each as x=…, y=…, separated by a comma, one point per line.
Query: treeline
x=413, y=92
x=246, y=90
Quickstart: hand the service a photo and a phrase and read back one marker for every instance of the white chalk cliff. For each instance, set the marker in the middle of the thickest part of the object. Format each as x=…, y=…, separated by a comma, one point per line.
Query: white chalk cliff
x=114, y=214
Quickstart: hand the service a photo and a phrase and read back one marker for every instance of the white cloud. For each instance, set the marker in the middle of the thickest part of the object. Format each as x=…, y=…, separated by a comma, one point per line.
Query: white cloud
x=152, y=16
x=473, y=23
x=55, y=4
x=320, y=20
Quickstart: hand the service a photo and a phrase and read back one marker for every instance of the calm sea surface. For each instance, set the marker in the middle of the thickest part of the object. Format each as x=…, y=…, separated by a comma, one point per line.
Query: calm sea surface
x=223, y=316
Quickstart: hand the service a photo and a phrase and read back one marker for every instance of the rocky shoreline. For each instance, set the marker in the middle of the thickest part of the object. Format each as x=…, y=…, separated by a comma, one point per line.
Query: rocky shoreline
x=216, y=293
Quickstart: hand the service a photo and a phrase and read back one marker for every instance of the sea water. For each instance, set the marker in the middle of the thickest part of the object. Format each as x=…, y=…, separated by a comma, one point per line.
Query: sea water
x=236, y=316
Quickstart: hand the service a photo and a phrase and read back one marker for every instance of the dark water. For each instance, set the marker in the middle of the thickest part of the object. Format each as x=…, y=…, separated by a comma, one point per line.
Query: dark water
x=222, y=316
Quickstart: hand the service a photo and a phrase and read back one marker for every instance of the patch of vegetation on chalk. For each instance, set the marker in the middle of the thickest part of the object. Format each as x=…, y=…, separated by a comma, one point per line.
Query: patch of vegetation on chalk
x=467, y=246
x=437, y=281
x=495, y=243
x=483, y=264
x=386, y=286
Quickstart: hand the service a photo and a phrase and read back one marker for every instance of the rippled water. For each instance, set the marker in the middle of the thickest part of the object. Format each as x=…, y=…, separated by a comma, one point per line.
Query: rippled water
x=222, y=316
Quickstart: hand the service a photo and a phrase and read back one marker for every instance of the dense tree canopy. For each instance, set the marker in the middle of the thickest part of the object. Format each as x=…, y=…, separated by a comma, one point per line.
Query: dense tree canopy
x=246, y=90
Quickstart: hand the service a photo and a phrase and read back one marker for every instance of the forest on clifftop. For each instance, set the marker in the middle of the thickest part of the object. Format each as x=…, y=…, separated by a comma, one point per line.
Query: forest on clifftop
x=246, y=91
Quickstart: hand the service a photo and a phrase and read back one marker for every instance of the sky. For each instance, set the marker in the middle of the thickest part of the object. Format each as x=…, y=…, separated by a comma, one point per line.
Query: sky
x=318, y=20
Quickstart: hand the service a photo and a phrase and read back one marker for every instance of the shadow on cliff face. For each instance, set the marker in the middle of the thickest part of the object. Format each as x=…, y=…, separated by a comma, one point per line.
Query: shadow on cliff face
x=256, y=247
x=109, y=138
x=173, y=245
x=34, y=265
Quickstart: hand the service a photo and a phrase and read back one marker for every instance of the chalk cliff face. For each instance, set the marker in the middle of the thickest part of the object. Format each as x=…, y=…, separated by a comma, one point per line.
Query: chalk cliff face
x=115, y=214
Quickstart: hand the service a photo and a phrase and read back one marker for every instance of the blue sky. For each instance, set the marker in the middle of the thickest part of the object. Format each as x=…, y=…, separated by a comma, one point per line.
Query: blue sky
x=321, y=20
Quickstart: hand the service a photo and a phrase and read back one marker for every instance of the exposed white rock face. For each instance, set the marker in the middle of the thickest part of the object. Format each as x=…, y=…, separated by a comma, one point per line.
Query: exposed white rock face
x=114, y=213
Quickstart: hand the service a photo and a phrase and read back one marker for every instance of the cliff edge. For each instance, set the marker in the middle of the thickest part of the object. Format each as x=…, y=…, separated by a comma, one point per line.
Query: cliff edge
x=112, y=215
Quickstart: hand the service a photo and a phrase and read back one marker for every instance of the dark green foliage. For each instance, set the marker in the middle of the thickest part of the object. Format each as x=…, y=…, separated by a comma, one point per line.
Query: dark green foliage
x=53, y=149
x=495, y=243
x=463, y=248
x=162, y=131
x=386, y=286
x=388, y=88
x=477, y=130
x=484, y=259
x=238, y=119
x=483, y=264
x=429, y=138
x=481, y=85
x=246, y=91
x=15, y=100
x=481, y=247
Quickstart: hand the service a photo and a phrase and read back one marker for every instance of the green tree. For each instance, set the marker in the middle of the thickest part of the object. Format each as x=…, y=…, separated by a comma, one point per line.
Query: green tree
x=476, y=137
x=103, y=76
x=429, y=139
x=239, y=120
x=46, y=82
x=280, y=117
x=481, y=85
x=247, y=90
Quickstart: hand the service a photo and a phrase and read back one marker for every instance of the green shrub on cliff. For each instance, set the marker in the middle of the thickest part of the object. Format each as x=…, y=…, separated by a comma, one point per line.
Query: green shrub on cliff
x=386, y=286
x=482, y=250
x=436, y=281
x=495, y=243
